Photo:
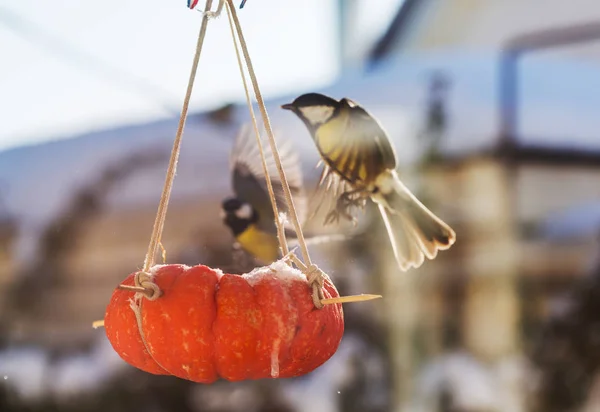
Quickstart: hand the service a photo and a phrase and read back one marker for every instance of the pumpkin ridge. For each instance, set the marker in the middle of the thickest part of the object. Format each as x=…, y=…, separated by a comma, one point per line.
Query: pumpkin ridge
x=285, y=354
x=212, y=329
x=259, y=343
x=281, y=346
x=139, y=311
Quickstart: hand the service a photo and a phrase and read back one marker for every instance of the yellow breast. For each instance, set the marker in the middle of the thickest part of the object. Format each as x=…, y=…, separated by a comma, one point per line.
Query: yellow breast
x=264, y=246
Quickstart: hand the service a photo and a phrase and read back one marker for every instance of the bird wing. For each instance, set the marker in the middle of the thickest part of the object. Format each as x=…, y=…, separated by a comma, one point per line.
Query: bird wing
x=354, y=145
x=248, y=177
x=330, y=187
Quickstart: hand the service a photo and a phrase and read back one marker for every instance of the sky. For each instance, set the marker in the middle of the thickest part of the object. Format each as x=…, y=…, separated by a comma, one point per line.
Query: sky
x=71, y=66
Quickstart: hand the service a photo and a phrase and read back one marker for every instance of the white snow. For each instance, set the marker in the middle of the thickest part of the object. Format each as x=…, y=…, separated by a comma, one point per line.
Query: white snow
x=32, y=375
x=25, y=371
x=282, y=270
x=319, y=391
x=473, y=384
x=77, y=374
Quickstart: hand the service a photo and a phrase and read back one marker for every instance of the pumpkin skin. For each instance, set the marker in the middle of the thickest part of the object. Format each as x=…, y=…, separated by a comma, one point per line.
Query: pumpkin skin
x=207, y=325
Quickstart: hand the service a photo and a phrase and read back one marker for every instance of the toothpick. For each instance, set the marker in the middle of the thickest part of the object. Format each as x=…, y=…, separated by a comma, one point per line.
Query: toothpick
x=98, y=324
x=349, y=299
x=132, y=288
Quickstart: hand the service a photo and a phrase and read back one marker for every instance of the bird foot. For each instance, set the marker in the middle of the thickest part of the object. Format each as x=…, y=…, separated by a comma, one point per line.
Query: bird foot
x=343, y=207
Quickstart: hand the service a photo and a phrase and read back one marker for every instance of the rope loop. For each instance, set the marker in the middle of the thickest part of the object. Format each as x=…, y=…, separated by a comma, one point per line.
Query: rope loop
x=315, y=275
x=316, y=279
x=144, y=280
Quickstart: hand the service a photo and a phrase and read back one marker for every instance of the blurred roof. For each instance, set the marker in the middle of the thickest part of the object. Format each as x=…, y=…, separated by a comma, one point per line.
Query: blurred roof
x=482, y=25
x=553, y=115
x=400, y=25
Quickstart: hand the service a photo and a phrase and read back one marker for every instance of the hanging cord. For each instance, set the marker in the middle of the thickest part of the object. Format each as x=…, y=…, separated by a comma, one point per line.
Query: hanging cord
x=143, y=280
x=143, y=284
x=315, y=276
x=267, y=124
x=280, y=228
x=166, y=193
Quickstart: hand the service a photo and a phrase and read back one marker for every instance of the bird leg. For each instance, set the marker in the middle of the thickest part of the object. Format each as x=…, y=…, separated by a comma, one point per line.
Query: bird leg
x=344, y=204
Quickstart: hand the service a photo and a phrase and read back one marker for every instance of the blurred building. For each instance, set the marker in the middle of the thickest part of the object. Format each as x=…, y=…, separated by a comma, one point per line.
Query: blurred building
x=8, y=233
x=486, y=25
x=517, y=195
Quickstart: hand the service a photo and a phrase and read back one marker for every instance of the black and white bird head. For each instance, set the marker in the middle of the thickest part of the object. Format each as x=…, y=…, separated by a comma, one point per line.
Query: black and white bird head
x=314, y=109
x=237, y=214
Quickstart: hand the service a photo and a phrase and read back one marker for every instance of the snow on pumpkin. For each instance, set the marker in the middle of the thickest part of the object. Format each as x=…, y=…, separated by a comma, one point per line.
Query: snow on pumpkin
x=208, y=325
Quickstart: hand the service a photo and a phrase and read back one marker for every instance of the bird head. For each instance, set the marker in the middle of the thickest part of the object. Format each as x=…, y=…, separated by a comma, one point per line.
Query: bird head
x=237, y=214
x=313, y=109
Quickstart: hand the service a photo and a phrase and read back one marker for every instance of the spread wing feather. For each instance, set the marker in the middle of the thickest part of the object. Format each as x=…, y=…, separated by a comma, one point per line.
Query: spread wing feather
x=248, y=177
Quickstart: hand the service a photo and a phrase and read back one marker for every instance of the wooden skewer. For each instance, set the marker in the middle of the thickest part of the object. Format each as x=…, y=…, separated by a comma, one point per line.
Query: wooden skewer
x=132, y=288
x=98, y=324
x=348, y=299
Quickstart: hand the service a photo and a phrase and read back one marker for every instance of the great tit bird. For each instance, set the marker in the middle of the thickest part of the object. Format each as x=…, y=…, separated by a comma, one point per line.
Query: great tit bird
x=360, y=163
x=249, y=213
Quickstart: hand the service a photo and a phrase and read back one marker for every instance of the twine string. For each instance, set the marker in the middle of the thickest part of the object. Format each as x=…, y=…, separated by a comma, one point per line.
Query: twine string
x=161, y=214
x=144, y=286
x=314, y=275
x=267, y=124
x=280, y=228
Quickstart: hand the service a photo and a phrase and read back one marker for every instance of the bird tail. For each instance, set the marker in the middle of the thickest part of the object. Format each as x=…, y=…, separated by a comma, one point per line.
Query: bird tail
x=414, y=231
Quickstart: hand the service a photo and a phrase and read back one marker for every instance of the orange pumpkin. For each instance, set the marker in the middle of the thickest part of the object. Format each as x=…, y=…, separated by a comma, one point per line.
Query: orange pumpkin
x=208, y=325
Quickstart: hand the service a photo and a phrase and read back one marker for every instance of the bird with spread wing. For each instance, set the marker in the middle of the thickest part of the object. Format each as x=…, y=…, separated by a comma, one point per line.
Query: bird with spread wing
x=360, y=164
x=249, y=213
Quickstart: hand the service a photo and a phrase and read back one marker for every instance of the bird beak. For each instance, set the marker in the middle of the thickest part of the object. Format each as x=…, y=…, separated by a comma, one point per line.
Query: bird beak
x=288, y=106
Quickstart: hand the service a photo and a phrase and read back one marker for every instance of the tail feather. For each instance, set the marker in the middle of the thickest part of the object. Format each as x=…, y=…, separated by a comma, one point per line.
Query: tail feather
x=409, y=221
x=403, y=238
x=433, y=232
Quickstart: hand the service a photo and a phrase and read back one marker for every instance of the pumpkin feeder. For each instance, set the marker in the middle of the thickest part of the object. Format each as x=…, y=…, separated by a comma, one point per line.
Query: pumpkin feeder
x=199, y=324
x=208, y=325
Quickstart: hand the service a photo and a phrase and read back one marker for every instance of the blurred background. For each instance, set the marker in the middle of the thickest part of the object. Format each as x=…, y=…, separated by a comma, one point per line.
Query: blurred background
x=492, y=108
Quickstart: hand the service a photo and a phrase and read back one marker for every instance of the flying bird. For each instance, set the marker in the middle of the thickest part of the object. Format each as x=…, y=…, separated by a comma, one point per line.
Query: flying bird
x=360, y=164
